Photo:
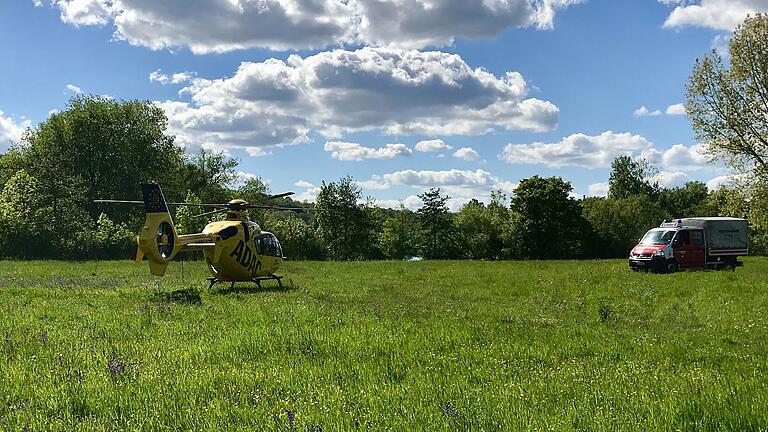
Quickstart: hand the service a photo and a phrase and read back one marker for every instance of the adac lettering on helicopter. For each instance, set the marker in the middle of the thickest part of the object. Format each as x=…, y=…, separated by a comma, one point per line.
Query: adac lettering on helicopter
x=243, y=255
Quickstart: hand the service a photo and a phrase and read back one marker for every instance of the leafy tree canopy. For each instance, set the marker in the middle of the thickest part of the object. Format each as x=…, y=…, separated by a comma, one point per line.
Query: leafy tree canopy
x=728, y=105
x=631, y=177
x=550, y=223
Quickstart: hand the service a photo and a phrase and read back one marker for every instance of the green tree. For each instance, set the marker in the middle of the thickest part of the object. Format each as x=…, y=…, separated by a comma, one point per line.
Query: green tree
x=297, y=238
x=500, y=217
x=436, y=235
x=550, y=224
x=728, y=106
x=186, y=221
x=617, y=223
x=758, y=218
x=100, y=148
x=727, y=202
x=476, y=230
x=344, y=227
x=24, y=218
x=254, y=190
x=397, y=237
x=684, y=201
x=109, y=240
x=10, y=163
x=513, y=237
x=208, y=175
x=631, y=177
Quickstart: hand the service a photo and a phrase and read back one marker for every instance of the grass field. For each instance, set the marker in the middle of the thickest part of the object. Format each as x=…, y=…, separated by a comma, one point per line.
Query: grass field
x=384, y=346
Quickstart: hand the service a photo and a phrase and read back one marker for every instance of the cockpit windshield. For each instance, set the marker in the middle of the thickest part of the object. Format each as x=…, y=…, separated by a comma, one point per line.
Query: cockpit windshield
x=657, y=237
x=267, y=244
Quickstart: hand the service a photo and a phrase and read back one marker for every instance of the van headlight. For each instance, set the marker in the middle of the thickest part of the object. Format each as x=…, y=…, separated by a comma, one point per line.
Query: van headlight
x=659, y=253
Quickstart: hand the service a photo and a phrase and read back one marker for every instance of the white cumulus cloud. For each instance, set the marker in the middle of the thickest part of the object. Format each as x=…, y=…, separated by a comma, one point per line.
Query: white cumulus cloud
x=309, y=194
x=337, y=92
x=241, y=177
x=435, y=145
x=178, y=78
x=727, y=181
x=676, y=110
x=252, y=151
x=11, y=130
x=347, y=151
x=71, y=88
x=645, y=112
x=681, y=157
x=467, y=153
x=452, y=177
x=460, y=185
x=599, y=151
x=411, y=202
x=84, y=12
x=715, y=14
x=206, y=26
x=577, y=150
x=598, y=190
x=670, y=179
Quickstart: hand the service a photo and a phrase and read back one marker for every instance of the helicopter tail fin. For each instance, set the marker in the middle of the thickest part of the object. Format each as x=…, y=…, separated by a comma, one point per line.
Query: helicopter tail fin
x=158, y=239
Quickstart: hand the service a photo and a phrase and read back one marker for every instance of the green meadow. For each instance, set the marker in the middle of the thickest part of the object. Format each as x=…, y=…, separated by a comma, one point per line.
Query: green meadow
x=372, y=346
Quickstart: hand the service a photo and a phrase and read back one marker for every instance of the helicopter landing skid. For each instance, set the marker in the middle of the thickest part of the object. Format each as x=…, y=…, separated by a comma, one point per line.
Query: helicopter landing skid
x=257, y=281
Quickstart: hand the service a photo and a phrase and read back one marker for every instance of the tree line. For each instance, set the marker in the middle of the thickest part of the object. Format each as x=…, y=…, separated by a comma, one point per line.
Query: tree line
x=542, y=220
x=99, y=148
x=103, y=148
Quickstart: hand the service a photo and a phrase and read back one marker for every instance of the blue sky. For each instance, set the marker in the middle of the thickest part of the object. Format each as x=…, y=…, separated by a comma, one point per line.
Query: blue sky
x=466, y=95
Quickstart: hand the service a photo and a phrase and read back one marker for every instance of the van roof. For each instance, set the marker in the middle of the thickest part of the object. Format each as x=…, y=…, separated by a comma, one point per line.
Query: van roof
x=717, y=218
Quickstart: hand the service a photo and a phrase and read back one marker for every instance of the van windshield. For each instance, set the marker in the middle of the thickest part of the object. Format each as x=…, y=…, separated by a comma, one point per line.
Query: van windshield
x=657, y=237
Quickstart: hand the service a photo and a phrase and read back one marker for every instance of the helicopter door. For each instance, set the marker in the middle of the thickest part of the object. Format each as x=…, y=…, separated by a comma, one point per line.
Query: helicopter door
x=277, y=248
x=267, y=244
x=270, y=251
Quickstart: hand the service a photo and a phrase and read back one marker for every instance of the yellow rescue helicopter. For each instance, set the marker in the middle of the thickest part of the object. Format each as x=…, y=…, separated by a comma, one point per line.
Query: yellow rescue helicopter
x=236, y=249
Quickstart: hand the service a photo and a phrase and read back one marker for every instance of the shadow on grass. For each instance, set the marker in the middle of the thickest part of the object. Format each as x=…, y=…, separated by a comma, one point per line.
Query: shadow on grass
x=188, y=296
x=252, y=288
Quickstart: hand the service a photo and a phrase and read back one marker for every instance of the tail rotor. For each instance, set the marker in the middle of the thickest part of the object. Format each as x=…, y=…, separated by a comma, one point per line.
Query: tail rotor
x=158, y=238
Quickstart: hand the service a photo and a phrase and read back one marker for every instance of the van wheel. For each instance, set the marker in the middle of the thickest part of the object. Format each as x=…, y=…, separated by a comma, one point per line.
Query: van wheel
x=672, y=266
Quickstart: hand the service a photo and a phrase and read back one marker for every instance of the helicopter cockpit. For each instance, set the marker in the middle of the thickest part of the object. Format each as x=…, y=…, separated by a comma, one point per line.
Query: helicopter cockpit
x=267, y=244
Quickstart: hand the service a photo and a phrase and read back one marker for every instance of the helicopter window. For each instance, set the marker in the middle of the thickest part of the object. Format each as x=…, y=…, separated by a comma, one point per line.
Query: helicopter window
x=259, y=243
x=268, y=245
x=277, y=248
x=228, y=232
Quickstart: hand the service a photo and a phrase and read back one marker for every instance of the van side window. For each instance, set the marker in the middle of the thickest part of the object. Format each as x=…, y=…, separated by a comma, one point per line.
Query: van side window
x=683, y=238
x=697, y=238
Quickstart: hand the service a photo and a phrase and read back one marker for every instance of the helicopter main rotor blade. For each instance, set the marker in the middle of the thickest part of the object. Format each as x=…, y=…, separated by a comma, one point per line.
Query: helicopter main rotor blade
x=280, y=195
x=118, y=201
x=170, y=203
x=199, y=205
x=267, y=207
x=210, y=213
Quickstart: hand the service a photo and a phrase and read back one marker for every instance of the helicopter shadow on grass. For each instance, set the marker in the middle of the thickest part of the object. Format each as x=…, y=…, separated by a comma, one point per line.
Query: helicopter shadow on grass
x=252, y=288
